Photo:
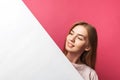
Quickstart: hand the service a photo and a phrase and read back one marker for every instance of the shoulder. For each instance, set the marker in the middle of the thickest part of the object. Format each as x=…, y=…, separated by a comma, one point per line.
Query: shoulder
x=85, y=71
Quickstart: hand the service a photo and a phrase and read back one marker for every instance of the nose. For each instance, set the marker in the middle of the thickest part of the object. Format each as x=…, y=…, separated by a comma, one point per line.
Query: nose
x=72, y=38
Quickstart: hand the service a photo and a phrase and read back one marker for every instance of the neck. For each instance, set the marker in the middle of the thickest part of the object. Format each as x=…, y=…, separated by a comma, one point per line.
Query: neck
x=73, y=57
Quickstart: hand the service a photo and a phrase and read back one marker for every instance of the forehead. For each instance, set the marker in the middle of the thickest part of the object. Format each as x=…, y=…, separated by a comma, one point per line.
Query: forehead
x=79, y=29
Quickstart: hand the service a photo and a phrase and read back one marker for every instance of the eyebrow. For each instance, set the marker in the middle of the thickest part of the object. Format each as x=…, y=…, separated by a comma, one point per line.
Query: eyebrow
x=78, y=34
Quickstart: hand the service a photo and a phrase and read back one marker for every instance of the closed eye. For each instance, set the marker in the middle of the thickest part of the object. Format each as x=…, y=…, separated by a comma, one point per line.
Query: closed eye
x=71, y=33
x=80, y=38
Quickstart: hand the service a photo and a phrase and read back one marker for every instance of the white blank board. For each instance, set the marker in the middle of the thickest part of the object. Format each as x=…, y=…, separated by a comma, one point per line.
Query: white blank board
x=26, y=50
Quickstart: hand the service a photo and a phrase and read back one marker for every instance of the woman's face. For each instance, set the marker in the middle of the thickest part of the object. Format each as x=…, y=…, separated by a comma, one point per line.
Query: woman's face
x=77, y=40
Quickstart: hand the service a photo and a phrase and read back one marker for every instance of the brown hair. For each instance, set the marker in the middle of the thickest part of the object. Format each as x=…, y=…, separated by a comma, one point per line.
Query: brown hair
x=88, y=57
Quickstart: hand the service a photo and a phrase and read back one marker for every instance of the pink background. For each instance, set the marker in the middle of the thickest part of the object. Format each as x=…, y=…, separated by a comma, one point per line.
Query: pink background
x=57, y=16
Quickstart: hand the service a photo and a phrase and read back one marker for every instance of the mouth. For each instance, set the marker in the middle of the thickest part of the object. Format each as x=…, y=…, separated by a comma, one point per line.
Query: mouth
x=70, y=44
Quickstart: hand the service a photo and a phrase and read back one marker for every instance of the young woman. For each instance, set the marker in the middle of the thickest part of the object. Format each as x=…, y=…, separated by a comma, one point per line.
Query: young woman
x=80, y=48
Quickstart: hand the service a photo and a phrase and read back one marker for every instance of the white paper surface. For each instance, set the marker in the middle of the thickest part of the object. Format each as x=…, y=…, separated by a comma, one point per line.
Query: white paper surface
x=26, y=50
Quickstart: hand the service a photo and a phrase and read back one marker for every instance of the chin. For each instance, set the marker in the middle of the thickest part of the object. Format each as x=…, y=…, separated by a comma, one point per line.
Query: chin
x=69, y=50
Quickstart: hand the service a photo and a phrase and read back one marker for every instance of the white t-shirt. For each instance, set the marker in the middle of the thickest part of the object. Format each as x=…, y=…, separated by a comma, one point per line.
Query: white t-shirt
x=86, y=72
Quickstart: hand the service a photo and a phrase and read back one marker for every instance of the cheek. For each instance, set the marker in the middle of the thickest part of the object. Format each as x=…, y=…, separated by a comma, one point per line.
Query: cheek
x=67, y=38
x=80, y=44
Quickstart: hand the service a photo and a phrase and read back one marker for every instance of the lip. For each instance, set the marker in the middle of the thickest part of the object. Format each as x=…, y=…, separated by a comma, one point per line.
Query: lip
x=70, y=44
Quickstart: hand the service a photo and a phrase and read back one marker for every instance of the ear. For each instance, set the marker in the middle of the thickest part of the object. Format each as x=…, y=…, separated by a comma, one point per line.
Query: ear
x=87, y=48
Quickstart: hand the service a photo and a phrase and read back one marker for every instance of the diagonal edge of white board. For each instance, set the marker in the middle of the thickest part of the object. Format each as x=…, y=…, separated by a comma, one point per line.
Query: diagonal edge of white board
x=26, y=50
